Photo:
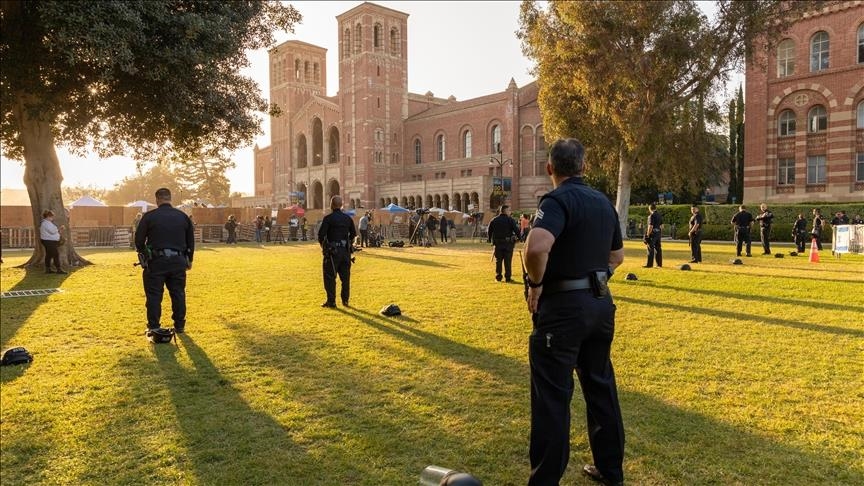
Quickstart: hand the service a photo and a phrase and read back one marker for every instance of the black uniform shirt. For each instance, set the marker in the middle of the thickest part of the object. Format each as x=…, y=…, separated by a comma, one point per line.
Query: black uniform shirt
x=765, y=219
x=502, y=227
x=166, y=228
x=801, y=225
x=337, y=227
x=742, y=219
x=696, y=219
x=655, y=220
x=585, y=226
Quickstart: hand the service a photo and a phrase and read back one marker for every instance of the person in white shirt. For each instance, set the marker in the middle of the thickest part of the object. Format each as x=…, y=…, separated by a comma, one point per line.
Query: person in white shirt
x=49, y=234
x=364, y=230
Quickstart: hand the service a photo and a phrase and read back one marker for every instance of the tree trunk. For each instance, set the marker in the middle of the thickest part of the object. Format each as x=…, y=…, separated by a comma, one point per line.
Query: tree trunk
x=622, y=203
x=42, y=176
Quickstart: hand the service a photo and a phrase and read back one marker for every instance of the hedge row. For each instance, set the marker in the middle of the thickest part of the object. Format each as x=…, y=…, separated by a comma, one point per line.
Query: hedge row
x=717, y=218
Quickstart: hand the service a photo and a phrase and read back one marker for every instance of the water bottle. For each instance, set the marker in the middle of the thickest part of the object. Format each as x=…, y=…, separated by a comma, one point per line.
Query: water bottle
x=441, y=476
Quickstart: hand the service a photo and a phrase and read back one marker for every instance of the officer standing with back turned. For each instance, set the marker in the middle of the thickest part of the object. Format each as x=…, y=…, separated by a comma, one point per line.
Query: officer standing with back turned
x=335, y=236
x=503, y=233
x=166, y=237
x=572, y=249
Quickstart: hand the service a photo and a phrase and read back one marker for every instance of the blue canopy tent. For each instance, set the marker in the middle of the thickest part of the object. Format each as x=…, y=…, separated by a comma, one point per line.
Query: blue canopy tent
x=392, y=208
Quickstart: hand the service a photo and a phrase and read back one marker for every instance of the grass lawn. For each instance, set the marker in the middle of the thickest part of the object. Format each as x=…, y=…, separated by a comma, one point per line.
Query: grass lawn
x=748, y=374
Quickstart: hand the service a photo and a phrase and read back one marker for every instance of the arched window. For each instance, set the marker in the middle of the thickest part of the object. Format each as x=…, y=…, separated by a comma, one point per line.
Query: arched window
x=306, y=76
x=417, y=151
x=379, y=34
x=787, y=123
x=439, y=147
x=317, y=141
x=496, y=139
x=819, y=50
x=394, y=41
x=861, y=44
x=333, y=146
x=316, y=71
x=786, y=58
x=297, y=69
x=346, y=44
x=466, y=144
x=860, y=115
x=301, y=151
x=358, y=39
x=817, y=119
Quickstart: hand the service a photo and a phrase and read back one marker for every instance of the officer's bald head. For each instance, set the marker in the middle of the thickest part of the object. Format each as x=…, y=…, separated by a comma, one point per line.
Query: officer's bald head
x=336, y=203
x=567, y=156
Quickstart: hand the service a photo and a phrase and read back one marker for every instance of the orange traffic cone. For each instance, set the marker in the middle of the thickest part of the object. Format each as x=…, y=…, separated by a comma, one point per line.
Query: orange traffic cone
x=814, y=252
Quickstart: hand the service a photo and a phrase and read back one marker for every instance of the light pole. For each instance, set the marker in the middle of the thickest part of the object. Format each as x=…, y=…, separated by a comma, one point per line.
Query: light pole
x=500, y=163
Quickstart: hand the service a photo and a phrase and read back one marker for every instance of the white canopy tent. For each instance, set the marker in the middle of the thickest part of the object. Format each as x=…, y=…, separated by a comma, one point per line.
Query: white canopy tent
x=86, y=201
x=144, y=206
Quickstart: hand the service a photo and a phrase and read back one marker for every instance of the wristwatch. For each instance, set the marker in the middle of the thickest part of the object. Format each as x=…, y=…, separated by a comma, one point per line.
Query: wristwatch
x=533, y=285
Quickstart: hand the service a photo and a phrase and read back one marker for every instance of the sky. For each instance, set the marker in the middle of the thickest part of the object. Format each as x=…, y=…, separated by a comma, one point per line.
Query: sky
x=464, y=48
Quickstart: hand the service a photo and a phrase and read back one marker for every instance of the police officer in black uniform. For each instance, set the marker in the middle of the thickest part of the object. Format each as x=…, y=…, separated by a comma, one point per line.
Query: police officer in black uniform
x=816, y=230
x=335, y=236
x=695, y=234
x=503, y=233
x=166, y=238
x=742, y=221
x=574, y=321
x=799, y=232
x=765, y=218
x=653, y=237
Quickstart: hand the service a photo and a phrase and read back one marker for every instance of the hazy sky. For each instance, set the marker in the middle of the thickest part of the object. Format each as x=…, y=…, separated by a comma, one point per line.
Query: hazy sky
x=465, y=49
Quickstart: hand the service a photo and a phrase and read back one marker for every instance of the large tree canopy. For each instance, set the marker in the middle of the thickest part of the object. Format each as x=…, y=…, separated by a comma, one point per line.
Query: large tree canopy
x=127, y=77
x=620, y=75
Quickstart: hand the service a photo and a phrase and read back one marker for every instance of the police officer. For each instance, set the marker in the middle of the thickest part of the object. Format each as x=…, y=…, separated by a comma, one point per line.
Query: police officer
x=765, y=218
x=695, y=234
x=742, y=221
x=816, y=231
x=166, y=237
x=653, y=235
x=503, y=233
x=574, y=321
x=799, y=232
x=335, y=236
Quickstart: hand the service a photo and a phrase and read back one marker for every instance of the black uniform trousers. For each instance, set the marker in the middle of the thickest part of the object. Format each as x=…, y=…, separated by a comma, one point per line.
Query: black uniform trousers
x=764, y=235
x=573, y=331
x=339, y=262
x=655, y=249
x=800, y=240
x=504, y=255
x=742, y=235
x=696, y=246
x=167, y=272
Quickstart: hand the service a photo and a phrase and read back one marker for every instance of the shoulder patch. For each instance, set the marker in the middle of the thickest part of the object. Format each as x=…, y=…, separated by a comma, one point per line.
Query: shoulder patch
x=539, y=214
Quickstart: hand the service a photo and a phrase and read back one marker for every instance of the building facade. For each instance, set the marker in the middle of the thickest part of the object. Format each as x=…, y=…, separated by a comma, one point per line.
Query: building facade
x=804, y=112
x=375, y=143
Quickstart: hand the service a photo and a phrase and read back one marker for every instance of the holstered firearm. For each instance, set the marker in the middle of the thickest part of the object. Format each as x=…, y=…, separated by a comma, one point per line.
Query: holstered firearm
x=144, y=258
x=524, y=275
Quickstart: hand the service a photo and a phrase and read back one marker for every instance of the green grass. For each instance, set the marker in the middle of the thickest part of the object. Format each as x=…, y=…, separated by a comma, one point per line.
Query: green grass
x=727, y=374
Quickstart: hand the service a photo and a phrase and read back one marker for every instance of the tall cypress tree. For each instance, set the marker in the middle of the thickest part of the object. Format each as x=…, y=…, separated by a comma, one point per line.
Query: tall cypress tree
x=733, y=169
x=739, y=148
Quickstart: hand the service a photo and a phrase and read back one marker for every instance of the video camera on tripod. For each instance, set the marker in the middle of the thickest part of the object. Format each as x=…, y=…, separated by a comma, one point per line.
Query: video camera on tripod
x=422, y=211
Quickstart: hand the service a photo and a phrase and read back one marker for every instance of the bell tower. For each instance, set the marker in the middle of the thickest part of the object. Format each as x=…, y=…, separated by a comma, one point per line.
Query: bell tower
x=373, y=94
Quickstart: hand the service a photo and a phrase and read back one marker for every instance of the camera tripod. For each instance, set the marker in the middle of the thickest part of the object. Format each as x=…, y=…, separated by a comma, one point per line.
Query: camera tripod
x=421, y=233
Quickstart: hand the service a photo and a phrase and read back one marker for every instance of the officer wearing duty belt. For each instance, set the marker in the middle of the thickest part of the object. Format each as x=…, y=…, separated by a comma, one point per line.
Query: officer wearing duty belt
x=166, y=239
x=503, y=233
x=335, y=236
x=572, y=249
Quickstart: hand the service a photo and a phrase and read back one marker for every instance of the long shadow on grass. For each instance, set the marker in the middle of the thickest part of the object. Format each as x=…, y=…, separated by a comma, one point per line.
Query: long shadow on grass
x=670, y=445
x=744, y=296
x=353, y=416
x=409, y=261
x=224, y=438
x=16, y=310
x=792, y=277
x=506, y=368
x=738, y=316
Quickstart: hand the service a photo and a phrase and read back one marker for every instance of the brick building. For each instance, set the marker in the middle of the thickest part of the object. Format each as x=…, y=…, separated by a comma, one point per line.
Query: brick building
x=375, y=143
x=804, y=112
